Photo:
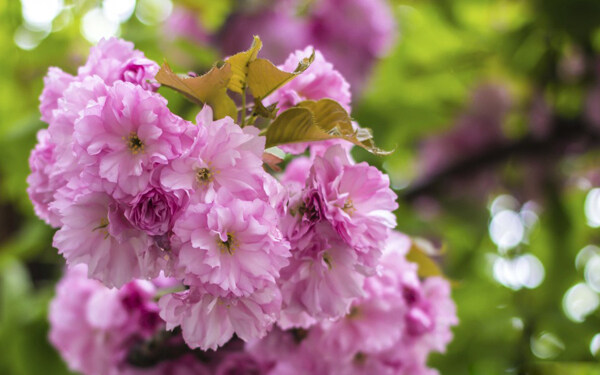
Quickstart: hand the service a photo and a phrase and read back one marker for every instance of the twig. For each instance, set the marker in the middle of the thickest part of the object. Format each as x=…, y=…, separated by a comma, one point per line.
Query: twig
x=243, y=107
x=564, y=133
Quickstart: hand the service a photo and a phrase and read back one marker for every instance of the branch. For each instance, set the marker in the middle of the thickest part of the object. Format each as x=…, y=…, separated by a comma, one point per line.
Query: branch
x=564, y=133
x=169, y=345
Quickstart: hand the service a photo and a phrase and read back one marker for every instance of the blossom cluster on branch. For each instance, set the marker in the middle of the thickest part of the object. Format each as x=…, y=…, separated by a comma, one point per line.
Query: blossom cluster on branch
x=180, y=227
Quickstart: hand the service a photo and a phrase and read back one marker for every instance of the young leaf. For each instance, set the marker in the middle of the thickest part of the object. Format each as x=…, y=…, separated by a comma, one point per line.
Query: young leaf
x=210, y=88
x=313, y=121
x=269, y=112
x=264, y=77
x=239, y=66
x=427, y=267
x=294, y=125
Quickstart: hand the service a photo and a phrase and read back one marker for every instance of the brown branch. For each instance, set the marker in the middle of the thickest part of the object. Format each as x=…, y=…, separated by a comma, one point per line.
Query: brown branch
x=564, y=134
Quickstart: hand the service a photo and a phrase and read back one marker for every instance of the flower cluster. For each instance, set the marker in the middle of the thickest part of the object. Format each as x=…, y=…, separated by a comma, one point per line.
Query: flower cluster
x=102, y=331
x=391, y=329
x=138, y=193
x=339, y=217
x=95, y=327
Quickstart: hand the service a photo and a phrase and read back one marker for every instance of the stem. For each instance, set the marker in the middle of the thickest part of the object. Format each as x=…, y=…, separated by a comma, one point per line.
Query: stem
x=244, y=106
x=564, y=133
x=169, y=345
x=163, y=346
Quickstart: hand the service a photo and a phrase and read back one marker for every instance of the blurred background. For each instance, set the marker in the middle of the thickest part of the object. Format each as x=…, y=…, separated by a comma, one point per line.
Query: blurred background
x=492, y=107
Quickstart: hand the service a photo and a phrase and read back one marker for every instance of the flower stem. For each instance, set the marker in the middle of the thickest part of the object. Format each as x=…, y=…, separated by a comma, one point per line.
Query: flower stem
x=243, y=107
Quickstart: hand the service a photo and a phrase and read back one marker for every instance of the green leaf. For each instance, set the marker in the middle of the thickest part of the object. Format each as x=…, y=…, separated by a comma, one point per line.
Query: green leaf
x=565, y=368
x=419, y=253
x=313, y=121
x=264, y=77
x=269, y=111
x=210, y=88
x=239, y=66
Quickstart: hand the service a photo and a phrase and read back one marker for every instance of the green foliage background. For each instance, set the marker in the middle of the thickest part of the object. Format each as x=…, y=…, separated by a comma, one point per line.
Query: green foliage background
x=444, y=50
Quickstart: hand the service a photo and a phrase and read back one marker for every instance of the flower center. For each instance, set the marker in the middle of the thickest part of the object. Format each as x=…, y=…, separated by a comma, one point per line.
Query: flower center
x=354, y=312
x=102, y=227
x=204, y=176
x=349, y=207
x=327, y=259
x=134, y=143
x=299, y=334
x=360, y=358
x=228, y=246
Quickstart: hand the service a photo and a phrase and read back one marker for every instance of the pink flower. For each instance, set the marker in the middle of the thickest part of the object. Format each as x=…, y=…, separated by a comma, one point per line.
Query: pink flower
x=66, y=165
x=123, y=138
x=442, y=311
x=154, y=210
x=377, y=25
x=374, y=323
x=223, y=154
x=334, y=240
x=43, y=181
x=185, y=24
x=74, y=317
x=429, y=312
x=391, y=329
x=394, y=327
x=209, y=320
x=299, y=224
x=319, y=285
x=355, y=199
x=75, y=98
x=116, y=60
x=273, y=193
x=95, y=232
x=363, y=29
x=319, y=81
x=296, y=172
x=93, y=327
x=55, y=83
x=233, y=244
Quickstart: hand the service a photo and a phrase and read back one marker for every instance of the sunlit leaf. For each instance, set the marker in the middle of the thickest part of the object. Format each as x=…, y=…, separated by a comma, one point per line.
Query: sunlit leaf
x=317, y=121
x=294, y=125
x=239, y=66
x=210, y=88
x=419, y=255
x=269, y=111
x=264, y=77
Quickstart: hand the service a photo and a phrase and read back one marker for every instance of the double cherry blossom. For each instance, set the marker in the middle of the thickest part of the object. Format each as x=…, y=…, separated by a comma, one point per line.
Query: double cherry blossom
x=290, y=263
